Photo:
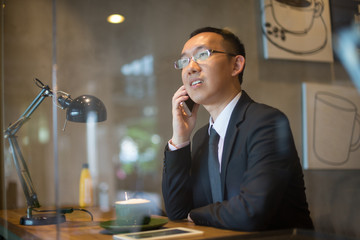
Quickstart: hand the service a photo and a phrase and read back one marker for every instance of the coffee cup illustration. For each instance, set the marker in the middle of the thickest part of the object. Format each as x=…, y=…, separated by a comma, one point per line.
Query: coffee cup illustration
x=336, y=128
x=296, y=16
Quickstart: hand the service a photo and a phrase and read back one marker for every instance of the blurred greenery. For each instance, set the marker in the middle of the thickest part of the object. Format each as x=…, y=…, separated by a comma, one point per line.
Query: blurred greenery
x=142, y=134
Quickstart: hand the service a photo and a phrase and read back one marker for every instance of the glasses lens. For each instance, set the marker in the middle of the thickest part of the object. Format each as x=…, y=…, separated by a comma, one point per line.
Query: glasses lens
x=176, y=64
x=202, y=55
x=181, y=63
x=199, y=56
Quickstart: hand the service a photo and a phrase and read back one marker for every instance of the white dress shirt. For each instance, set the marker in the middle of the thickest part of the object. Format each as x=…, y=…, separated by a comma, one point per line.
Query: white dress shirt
x=220, y=126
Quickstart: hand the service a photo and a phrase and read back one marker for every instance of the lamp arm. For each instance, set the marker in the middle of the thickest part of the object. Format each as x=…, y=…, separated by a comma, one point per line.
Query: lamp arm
x=20, y=164
x=23, y=173
x=15, y=127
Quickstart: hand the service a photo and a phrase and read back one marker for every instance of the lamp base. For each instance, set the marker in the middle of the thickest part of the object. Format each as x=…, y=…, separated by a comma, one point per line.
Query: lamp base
x=42, y=219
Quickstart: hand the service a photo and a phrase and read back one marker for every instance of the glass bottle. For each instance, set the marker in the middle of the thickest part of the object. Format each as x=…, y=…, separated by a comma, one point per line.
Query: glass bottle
x=86, y=188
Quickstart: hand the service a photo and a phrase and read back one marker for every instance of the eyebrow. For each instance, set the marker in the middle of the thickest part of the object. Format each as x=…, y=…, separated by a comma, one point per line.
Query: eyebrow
x=195, y=50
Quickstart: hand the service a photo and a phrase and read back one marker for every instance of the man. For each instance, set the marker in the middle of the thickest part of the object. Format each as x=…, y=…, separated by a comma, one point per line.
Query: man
x=258, y=182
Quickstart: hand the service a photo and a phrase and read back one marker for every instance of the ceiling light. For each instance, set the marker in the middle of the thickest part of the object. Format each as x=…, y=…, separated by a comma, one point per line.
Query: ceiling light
x=115, y=18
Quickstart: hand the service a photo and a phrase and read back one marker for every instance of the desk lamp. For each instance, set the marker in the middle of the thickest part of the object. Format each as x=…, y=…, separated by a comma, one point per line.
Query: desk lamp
x=77, y=110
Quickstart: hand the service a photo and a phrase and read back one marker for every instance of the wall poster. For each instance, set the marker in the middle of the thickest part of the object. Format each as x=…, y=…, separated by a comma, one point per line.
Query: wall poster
x=331, y=127
x=297, y=30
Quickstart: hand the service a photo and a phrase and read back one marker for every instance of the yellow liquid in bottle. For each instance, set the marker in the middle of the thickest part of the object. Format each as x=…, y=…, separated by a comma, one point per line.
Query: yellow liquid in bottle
x=86, y=188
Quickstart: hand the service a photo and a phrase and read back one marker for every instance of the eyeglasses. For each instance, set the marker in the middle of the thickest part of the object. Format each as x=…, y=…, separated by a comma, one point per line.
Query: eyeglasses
x=197, y=57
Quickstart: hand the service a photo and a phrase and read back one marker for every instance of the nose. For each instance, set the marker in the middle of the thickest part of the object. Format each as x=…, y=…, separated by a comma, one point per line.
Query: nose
x=193, y=66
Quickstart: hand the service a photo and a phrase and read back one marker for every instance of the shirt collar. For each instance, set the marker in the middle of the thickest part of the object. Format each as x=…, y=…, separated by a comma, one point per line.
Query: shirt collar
x=222, y=121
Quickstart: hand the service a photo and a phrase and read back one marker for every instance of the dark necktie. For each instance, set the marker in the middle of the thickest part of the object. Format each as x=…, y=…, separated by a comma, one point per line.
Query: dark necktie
x=213, y=163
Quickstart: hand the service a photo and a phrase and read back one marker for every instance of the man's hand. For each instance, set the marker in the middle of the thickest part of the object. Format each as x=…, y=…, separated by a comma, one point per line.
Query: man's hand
x=189, y=218
x=182, y=125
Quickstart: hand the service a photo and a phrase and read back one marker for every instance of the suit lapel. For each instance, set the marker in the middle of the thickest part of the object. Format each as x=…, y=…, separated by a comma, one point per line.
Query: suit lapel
x=237, y=117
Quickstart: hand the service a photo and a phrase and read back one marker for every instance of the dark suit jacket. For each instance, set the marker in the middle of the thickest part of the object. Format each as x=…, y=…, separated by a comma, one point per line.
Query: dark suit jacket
x=261, y=176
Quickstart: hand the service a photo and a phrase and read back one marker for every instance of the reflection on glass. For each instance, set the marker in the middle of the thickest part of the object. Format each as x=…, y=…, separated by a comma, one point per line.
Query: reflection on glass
x=138, y=140
x=128, y=150
x=92, y=146
x=44, y=131
x=140, y=81
x=139, y=148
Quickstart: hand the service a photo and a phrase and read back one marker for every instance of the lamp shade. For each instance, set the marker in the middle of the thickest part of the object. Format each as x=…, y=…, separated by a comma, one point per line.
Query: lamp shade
x=82, y=108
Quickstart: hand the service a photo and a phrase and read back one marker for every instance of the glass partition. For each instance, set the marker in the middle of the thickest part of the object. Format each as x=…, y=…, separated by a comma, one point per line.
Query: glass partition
x=73, y=48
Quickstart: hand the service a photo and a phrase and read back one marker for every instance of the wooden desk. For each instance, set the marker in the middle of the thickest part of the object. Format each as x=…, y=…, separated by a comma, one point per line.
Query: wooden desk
x=79, y=226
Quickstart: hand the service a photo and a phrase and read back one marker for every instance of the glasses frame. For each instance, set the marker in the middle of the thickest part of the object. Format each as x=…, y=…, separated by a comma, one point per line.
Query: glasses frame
x=209, y=51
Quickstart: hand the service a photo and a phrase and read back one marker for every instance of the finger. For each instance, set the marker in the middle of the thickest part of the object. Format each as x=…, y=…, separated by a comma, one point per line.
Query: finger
x=179, y=96
x=179, y=93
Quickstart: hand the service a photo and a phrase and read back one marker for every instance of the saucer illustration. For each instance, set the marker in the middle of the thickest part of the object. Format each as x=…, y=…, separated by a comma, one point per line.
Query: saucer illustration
x=299, y=44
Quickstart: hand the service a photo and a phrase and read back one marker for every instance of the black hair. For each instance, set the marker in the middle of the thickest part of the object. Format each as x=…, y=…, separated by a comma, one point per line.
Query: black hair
x=235, y=43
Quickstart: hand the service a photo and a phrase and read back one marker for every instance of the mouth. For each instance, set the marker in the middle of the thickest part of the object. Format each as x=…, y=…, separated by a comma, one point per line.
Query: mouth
x=196, y=82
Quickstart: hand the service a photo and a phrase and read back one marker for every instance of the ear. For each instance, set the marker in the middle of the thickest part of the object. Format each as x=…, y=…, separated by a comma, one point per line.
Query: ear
x=238, y=65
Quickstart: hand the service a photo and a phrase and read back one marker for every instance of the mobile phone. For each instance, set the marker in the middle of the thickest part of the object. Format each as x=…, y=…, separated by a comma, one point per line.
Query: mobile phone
x=187, y=107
